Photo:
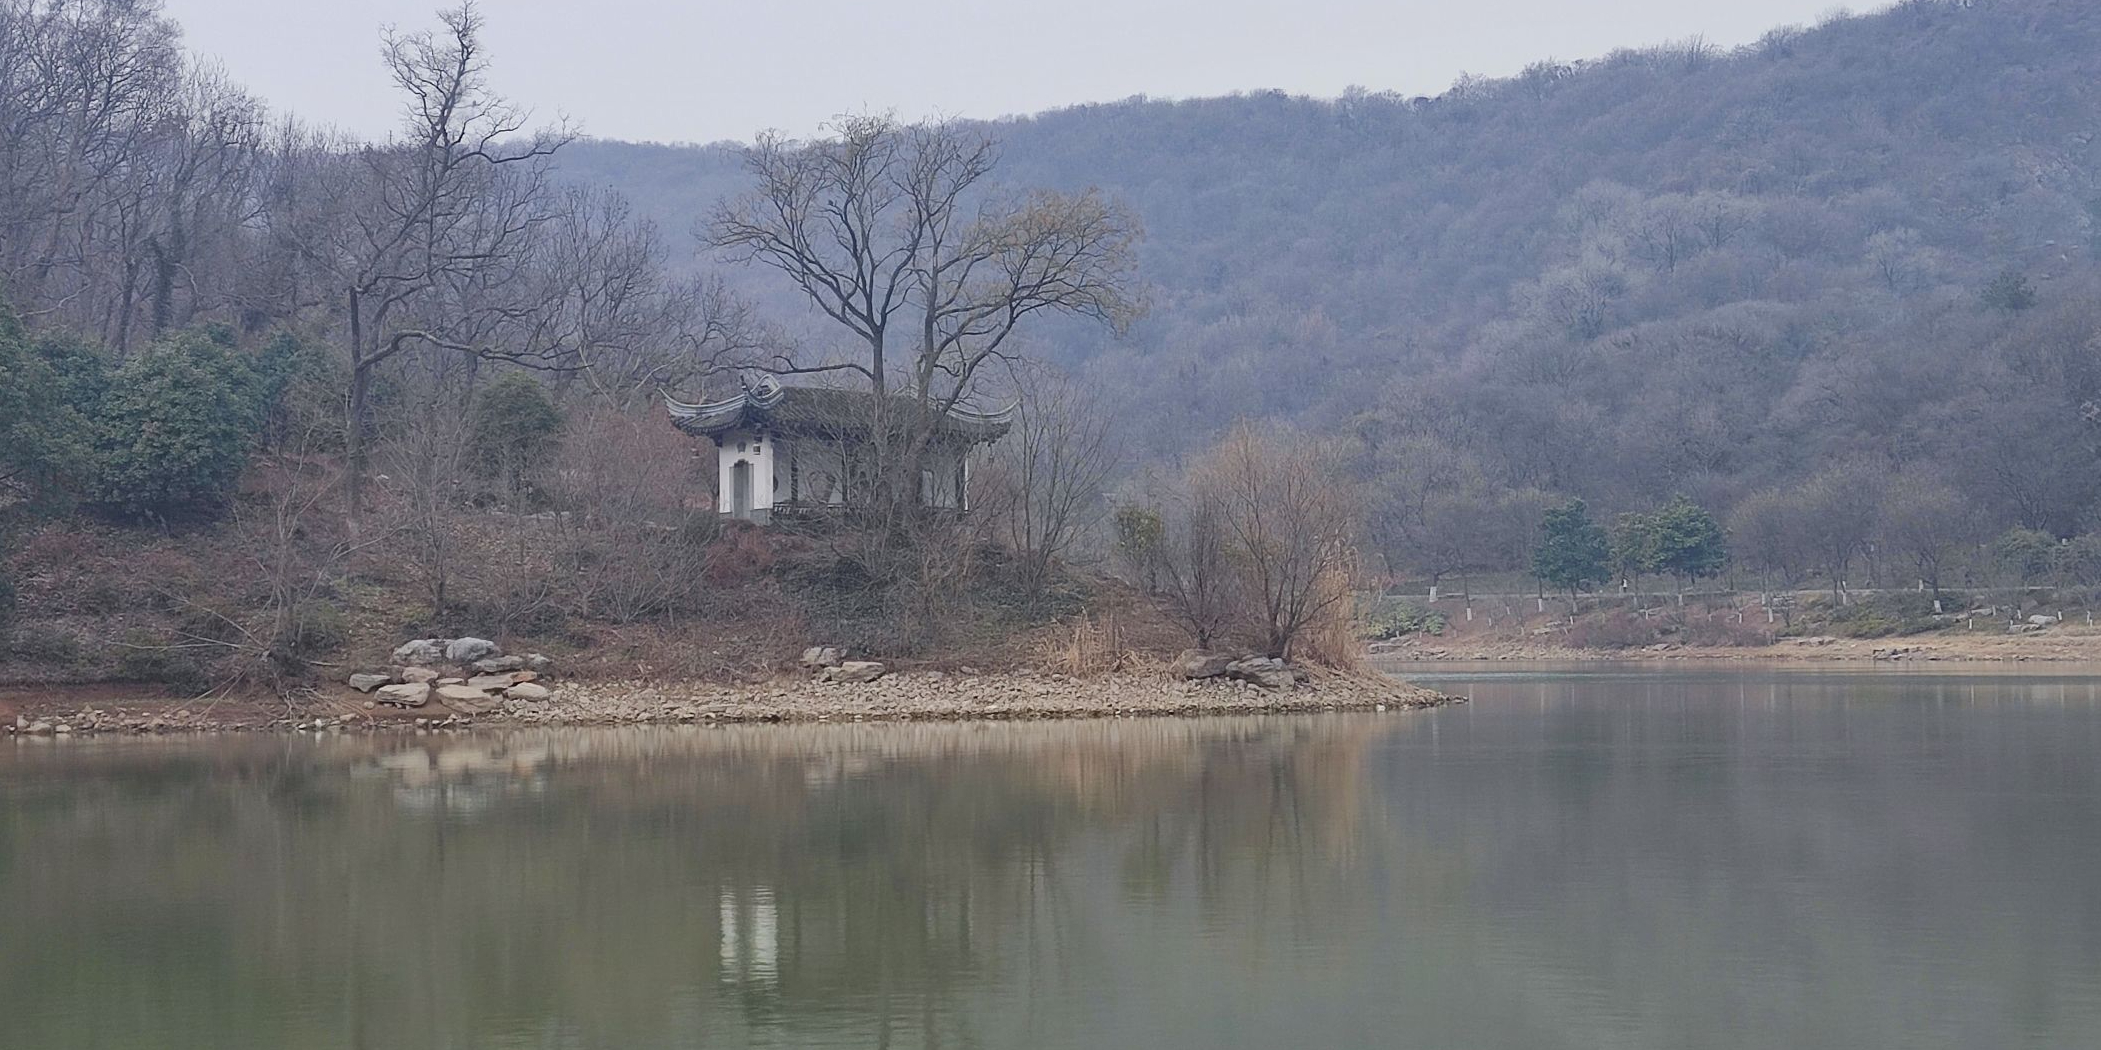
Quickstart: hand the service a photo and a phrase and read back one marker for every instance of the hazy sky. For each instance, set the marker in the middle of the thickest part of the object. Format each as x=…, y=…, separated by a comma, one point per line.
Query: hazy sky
x=692, y=71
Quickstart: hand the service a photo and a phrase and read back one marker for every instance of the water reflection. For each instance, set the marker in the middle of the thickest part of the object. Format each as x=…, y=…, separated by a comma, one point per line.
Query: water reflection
x=1659, y=861
x=627, y=887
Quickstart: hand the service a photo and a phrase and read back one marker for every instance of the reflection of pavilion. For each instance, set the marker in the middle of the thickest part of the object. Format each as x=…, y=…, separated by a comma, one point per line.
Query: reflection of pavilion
x=751, y=937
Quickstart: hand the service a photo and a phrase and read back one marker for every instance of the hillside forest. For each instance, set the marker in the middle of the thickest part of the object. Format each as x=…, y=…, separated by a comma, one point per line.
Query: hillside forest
x=1851, y=263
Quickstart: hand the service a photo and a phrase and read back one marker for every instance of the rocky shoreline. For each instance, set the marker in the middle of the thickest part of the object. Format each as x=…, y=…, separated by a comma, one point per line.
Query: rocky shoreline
x=896, y=696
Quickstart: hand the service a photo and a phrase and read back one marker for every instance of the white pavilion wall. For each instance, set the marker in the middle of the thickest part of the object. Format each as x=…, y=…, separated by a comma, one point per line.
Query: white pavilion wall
x=757, y=449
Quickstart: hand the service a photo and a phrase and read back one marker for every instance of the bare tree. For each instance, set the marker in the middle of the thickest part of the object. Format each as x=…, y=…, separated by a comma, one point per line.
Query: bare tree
x=204, y=194
x=427, y=463
x=1825, y=524
x=608, y=311
x=85, y=89
x=1293, y=520
x=1054, y=465
x=445, y=223
x=895, y=233
x=1928, y=522
x=1195, y=567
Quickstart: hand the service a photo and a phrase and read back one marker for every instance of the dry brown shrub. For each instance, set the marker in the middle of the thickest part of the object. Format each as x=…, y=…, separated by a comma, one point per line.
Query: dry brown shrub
x=1724, y=631
x=743, y=554
x=1292, y=520
x=53, y=549
x=1086, y=646
x=1330, y=639
x=1616, y=629
x=640, y=522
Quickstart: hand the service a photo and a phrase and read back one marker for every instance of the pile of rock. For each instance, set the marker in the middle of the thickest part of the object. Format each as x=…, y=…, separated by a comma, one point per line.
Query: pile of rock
x=1197, y=665
x=829, y=664
x=481, y=676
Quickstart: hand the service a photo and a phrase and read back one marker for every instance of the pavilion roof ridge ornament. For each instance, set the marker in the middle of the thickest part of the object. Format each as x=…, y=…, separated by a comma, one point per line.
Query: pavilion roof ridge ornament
x=763, y=393
x=765, y=390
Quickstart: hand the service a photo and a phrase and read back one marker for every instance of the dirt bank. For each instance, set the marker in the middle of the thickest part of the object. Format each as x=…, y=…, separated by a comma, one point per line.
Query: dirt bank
x=2062, y=644
x=896, y=697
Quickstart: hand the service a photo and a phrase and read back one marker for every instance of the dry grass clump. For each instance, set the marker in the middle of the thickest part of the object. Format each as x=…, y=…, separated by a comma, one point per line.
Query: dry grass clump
x=1330, y=638
x=1086, y=646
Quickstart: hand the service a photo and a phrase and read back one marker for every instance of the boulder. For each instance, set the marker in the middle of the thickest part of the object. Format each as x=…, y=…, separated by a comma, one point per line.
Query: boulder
x=418, y=675
x=2040, y=620
x=854, y=671
x=450, y=681
x=491, y=683
x=1272, y=679
x=39, y=728
x=539, y=662
x=528, y=691
x=411, y=694
x=420, y=651
x=478, y=704
x=1265, y=671
x=500, y=664
x=365, y=683
x=818, y=656
x=1197, y=663
x=463, y=693
x=468, y=650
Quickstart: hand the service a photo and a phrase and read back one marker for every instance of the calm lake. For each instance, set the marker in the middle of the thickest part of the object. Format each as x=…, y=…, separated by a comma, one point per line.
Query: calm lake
x=1588, y=858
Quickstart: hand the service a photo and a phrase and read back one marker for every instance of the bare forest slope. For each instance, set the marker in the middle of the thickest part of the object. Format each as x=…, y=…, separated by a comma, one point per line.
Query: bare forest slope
x=1676, y=269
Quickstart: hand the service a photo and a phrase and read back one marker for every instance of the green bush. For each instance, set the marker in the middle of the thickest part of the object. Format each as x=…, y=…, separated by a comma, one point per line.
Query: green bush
x=48, y=392
x=1390, y=618
x=177, y=428
x=513, y=432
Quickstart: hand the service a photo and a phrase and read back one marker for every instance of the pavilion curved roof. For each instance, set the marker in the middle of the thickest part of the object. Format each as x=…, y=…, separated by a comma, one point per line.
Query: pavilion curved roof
x=823, y=412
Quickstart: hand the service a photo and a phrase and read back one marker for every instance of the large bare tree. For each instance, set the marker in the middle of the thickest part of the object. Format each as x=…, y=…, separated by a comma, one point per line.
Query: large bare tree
x=445, y=222
x=897, y=233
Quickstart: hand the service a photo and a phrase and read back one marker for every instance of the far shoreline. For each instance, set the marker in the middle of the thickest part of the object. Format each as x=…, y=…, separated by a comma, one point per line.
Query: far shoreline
x=2062, y=645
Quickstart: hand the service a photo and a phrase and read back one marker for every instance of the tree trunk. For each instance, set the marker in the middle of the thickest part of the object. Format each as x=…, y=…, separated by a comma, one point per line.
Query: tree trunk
x=355, y=452
x=124, y=309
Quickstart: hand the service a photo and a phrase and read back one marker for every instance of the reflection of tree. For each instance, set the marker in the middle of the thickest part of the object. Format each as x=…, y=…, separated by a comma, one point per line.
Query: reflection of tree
x=648, y=887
